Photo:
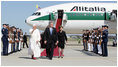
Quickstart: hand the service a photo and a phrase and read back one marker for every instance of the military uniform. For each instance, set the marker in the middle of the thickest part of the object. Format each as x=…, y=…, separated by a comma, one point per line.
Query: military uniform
x=95, y=43
x=92, y=40
x=104, y=42
x=99, y=44
x=89, y=42
x=83, y=40
x=14, y=39
x=5, y=41
x=10, y=43
x=95, y=48
x=18, y=39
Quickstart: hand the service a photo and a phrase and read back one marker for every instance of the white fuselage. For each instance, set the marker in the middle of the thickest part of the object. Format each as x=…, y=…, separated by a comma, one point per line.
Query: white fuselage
x=75, y=26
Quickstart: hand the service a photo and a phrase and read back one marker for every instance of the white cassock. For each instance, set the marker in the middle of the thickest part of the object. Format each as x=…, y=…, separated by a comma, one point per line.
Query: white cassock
x=34, y=48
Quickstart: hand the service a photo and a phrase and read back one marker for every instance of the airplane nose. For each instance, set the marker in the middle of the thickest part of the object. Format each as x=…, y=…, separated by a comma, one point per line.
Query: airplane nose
x=25, y=21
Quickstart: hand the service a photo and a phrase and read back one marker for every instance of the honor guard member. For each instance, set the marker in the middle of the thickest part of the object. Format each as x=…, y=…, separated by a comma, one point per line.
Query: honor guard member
x=83, y=36
x=105, y=40
x=10, y=40
x=5, y=39
x=92, y=39
x=85, y=40
x=14, y=37
x=89, y=42
x=100, y=41
x=18, y=38
x=96, y=41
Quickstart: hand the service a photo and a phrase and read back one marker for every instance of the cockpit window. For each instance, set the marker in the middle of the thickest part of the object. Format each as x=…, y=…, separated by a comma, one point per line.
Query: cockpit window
x=39, y=13
x=36, y=14
x=33, y=14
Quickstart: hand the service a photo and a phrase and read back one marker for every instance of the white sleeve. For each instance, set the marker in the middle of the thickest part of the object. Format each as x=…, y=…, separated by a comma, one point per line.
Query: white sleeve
x=30, y=31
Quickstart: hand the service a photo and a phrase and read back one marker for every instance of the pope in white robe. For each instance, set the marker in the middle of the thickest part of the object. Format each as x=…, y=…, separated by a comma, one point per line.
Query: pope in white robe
x=34, y=47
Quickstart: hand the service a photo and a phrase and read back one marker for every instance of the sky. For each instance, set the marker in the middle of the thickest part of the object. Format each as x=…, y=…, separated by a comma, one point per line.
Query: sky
x=14, y=13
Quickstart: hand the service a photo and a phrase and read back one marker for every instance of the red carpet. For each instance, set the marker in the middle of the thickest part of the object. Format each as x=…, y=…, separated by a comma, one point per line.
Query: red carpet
x=59, y=22
x=56, y=53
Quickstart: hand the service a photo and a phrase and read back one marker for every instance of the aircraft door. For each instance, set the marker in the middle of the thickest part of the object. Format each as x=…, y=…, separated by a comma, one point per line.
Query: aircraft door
x=113, y=16
x=59, y=19
x=111, y=21
x=60, y=14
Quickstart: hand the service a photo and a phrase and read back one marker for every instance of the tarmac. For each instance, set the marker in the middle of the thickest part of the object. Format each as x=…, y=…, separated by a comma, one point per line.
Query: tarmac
x=73, y=56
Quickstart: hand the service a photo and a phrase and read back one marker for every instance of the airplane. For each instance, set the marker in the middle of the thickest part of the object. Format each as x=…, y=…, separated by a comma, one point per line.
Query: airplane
x=75, y=17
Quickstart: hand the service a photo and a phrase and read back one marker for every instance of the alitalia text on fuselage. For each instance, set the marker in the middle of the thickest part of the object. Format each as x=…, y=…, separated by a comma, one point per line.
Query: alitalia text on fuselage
x=82, y=8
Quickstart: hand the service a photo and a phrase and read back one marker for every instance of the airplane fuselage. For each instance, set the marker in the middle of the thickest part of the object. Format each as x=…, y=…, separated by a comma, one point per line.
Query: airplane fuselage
x=76, y=16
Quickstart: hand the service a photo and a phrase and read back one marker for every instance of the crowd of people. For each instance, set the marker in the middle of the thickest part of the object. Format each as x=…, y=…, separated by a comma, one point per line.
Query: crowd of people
x=12, y=39
x=93, y=40
x=96, y=40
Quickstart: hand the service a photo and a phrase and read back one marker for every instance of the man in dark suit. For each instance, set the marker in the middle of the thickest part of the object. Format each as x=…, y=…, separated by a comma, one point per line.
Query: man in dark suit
x=25, y=40
x=50, y=39
x=105, y=40
x=5, y=39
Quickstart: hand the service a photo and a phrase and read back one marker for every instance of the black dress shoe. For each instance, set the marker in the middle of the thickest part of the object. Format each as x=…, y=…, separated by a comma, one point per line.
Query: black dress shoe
x=58, y=56
x=5, y=54
x=50, y=58
x=105, y=56
x=61, y=57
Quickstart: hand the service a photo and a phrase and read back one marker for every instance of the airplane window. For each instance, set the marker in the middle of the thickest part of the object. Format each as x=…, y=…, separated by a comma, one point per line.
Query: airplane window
x=33, y=14
x=93, y=14
x=101, y=14
x=37, y=13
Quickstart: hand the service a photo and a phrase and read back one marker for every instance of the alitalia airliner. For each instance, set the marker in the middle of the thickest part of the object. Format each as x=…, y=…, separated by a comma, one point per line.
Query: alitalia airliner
x=75, y=17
